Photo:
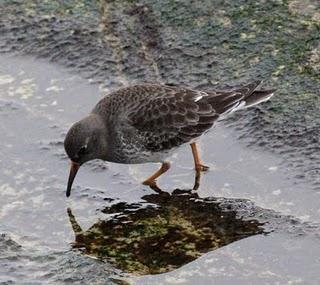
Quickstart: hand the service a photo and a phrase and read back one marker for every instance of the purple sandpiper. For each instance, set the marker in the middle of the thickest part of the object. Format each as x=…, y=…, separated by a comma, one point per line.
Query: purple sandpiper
x=147, y=122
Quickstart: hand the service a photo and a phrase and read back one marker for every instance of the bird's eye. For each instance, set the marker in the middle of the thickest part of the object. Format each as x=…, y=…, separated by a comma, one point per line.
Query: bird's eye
x=82, y=150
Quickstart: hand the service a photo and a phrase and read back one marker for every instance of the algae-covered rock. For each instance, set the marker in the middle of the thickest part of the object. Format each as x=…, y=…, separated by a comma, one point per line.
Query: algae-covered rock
x=164, y=232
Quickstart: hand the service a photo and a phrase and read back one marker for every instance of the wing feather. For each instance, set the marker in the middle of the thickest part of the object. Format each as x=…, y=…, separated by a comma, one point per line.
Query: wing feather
x=168, y=116
x=171, y=116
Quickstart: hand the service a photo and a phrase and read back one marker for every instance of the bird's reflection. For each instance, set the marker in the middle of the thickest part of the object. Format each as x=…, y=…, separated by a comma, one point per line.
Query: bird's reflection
x=164, y=232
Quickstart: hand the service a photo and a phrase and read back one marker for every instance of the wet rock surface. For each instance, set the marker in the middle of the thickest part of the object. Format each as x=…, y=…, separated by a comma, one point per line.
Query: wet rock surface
x=265, y=230
x=198, y=44
x=115, y=43
x=163, y=233
x=167, y=231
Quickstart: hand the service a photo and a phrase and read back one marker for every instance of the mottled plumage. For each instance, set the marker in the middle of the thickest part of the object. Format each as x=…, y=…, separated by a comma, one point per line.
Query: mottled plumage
x=145, y=123
x=147, y=119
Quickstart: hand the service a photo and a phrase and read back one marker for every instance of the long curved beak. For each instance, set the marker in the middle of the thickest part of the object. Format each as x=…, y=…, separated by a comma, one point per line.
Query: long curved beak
x=73, y=172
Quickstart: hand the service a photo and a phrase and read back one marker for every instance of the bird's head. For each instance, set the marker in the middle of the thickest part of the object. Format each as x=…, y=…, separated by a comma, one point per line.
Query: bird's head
x=86, y=140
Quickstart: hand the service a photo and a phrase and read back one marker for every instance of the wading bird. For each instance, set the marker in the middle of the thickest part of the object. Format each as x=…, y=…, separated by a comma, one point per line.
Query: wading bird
x=146, y=123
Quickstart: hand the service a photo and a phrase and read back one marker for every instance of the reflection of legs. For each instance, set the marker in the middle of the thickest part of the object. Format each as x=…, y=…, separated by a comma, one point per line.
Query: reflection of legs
x=197, y=165
x=151, y=181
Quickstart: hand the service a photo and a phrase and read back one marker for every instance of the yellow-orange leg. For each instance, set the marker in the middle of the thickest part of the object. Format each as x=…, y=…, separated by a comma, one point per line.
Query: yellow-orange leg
x=197, y=165
x=151, y=181
x=197, y=161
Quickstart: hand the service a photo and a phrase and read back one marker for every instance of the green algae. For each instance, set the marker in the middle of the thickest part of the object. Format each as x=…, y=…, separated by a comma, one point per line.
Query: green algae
x=58, y=8
x=162, y=236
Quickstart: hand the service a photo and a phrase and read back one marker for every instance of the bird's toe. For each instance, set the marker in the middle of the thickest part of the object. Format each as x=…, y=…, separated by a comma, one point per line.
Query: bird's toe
x=201, y=167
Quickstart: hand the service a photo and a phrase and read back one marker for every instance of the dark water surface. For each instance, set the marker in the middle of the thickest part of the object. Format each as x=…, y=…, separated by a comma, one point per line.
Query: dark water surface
x=255, y=218
x=113, y=228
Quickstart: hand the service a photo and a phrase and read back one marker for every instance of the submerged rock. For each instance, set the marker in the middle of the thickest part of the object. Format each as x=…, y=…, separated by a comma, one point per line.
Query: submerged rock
x=164, y=232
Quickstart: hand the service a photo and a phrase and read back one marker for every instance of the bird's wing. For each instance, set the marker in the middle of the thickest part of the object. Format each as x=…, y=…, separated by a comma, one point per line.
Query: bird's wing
x=170, y=116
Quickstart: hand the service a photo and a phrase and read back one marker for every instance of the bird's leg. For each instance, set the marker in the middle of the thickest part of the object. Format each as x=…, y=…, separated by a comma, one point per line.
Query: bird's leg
x=197, y=165
x=151, y=181
x=197, y=162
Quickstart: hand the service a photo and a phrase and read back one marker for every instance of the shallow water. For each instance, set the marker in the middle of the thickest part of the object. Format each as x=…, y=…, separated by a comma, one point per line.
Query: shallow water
x=198, y=44
x=268, y=229
x=255, y=218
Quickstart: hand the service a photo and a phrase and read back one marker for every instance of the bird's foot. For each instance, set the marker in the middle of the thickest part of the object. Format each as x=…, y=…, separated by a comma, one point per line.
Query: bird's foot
x=201, y=167
x=153, y=185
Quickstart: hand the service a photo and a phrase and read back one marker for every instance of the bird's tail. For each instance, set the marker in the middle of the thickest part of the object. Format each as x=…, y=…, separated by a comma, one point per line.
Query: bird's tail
x=252, y=96
x=228, y=101
x=258, y=96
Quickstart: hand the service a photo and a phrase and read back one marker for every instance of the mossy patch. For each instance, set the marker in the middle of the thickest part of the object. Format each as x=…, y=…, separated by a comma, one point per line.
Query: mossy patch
x=158, y=238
